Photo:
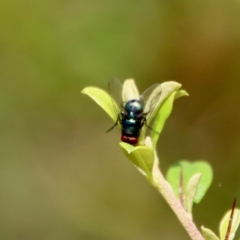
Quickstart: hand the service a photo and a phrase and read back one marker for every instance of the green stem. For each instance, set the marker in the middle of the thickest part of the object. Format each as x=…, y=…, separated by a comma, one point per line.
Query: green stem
x=165, y=189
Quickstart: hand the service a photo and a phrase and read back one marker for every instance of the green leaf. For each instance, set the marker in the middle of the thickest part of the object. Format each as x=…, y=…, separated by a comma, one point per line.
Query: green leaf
x=161, y=118
x=141, y=156
x=208, y=234
x=189, y=169
x=165, y=89
x=164, y=107
x=225, y=222
x=103, y=99
x=181, y=93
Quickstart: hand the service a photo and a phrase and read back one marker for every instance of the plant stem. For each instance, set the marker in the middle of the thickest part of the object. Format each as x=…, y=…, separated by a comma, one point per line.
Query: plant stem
x=165, y=189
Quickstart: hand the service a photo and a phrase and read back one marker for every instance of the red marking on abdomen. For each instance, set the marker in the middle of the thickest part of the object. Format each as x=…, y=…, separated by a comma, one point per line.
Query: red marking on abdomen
x=130, y=140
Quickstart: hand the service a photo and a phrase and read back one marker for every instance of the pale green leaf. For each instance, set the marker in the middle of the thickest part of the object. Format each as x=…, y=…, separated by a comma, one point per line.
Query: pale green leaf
x=141, y=156
x=225, y=221
x=103, y=99
x=181, y=93
x=130, y=90
x=208, y=234
x=191, y=190
x=166, y=88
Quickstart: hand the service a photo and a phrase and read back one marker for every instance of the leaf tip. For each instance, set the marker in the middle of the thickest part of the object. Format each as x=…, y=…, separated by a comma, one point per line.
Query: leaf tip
x=83, y=91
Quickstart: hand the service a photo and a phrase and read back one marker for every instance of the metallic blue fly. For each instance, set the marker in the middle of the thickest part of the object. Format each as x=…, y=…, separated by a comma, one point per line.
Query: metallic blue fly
x=132, y=116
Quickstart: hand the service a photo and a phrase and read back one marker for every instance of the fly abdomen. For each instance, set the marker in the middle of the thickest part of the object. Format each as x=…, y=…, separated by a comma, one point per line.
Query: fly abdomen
x=129, y=139
x=130, y=131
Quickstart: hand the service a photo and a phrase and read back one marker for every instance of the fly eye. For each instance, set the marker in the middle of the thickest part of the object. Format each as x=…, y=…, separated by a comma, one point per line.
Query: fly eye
x=138, y=111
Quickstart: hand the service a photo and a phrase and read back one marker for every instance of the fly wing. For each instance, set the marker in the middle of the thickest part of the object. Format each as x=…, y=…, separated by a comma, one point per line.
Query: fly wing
x=115, y=88
x=151, y=97
x=154, y=102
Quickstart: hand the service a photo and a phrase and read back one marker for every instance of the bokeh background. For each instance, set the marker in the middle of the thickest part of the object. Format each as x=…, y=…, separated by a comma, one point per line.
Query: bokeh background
x=61, y=176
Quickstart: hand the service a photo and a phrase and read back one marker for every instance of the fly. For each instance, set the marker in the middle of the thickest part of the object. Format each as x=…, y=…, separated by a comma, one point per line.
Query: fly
x=132, y=116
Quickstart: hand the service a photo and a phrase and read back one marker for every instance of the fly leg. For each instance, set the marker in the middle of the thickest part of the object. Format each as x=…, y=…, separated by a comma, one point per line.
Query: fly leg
x=118, y=120
x=145, y=123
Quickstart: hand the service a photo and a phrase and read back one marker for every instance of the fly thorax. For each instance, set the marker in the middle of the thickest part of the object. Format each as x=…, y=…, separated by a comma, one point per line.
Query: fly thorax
x=131, y=115
x=134, y=105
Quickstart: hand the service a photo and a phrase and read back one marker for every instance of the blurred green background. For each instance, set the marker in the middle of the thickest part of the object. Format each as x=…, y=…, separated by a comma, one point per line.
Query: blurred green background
x=61, y=176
